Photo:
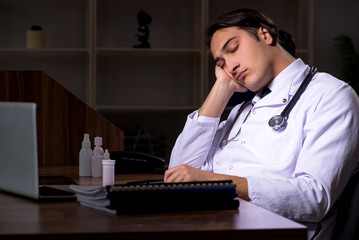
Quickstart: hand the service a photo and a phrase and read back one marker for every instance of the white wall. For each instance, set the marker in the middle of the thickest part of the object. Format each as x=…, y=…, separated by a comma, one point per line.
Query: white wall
x=332, y=18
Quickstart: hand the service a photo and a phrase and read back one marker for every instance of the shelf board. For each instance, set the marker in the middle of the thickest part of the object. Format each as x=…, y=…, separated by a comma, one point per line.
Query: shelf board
x=150, y=50
x=43, y=50
x=144, y=108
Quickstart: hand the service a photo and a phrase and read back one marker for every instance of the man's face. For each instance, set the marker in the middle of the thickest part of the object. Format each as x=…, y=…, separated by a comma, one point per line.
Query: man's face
x=247, y=60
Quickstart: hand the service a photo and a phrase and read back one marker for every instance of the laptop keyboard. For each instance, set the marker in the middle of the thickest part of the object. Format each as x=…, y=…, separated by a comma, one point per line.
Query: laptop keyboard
x=49, y=191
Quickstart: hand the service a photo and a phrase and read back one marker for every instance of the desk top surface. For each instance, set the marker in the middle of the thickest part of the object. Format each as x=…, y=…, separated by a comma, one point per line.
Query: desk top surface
x=23, y=218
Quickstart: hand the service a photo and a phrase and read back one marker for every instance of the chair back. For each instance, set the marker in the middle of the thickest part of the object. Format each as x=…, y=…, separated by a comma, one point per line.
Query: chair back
x=347, y=223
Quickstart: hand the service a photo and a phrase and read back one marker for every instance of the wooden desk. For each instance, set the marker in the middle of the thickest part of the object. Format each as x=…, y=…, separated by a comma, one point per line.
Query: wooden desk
x=25, y=219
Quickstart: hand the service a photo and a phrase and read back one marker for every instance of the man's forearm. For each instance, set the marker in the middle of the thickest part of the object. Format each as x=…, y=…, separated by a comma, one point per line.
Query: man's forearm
x=241, y=184
x=186, y=173
x=216, y=100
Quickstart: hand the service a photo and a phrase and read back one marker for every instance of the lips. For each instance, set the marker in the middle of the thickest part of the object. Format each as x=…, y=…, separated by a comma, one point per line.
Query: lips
x=240, y=75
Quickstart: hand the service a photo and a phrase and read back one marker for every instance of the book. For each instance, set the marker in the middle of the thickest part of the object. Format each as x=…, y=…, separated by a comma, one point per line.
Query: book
x=159, y=197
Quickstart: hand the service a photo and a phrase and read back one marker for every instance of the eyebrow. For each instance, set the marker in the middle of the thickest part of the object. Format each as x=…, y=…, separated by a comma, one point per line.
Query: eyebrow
x=224, y=47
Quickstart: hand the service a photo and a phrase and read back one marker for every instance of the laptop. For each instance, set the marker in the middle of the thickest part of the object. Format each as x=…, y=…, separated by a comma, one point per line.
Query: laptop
x=19, y=159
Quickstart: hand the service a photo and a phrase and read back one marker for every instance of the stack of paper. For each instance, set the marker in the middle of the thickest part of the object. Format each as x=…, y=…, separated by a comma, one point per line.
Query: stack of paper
x=94, y=197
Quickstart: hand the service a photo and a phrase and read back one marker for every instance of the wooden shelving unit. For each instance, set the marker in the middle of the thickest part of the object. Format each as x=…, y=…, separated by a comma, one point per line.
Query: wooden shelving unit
x=89, y=49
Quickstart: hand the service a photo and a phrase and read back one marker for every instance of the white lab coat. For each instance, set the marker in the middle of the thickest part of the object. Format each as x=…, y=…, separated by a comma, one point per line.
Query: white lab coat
x=299, y=172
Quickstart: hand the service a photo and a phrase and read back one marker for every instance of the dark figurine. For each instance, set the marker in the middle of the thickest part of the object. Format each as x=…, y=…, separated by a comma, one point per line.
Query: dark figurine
x=143, y=31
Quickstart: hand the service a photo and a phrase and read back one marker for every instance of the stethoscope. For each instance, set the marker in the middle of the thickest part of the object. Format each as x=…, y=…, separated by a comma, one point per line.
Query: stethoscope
x=277, y=122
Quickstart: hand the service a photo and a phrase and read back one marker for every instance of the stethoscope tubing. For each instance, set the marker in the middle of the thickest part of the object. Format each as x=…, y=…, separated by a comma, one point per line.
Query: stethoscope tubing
x=277, y=122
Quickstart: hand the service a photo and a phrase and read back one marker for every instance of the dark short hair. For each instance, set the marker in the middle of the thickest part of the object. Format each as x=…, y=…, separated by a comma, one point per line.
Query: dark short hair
x=251, y=20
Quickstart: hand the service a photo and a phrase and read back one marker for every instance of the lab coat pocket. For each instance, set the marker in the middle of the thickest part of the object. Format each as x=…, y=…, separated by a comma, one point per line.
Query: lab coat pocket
x=278, y=147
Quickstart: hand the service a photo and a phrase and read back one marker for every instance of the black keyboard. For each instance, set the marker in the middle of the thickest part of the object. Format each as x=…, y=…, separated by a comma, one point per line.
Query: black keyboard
x=49, y=191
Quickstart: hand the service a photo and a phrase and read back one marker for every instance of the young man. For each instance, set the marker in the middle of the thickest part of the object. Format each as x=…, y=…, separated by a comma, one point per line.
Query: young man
x=297, y=171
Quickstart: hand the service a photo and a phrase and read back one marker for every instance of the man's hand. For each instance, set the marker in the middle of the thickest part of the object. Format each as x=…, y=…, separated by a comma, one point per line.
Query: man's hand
x=221, y=92
x=186, y=173
x=225, y=78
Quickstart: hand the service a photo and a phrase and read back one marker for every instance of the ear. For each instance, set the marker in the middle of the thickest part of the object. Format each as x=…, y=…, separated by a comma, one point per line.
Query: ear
x=264, y=35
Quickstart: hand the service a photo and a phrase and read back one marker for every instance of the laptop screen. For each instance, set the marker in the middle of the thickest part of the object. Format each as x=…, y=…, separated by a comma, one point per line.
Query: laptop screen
x=18, y=148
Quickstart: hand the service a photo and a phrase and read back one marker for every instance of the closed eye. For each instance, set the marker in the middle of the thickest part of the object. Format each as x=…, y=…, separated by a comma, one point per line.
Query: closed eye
x=234, y=49
x=220, y=63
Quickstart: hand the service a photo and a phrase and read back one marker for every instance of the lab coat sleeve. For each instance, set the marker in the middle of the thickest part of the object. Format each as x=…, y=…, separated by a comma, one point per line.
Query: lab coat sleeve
x=194, y=143
x=324, y=164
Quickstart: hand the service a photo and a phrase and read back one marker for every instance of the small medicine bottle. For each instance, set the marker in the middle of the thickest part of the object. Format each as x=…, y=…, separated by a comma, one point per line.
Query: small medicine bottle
x=97, y=157
x=85, y=157
x=108, y=169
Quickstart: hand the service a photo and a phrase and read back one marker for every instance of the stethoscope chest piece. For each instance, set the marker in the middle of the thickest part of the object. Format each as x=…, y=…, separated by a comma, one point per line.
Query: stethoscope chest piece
x=278, y=122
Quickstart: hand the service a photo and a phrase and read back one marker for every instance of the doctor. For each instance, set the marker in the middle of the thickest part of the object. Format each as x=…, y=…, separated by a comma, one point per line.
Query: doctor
x=297, y=171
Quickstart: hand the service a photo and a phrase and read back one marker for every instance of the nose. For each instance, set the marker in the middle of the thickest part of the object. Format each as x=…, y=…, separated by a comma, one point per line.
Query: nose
x=232, y=67
x=234, y=71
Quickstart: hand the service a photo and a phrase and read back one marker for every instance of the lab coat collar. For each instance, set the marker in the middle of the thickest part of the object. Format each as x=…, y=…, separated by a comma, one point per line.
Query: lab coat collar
x=284, y=85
